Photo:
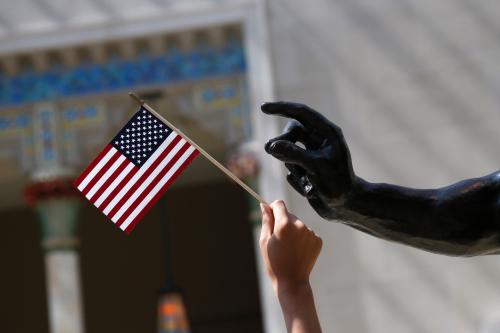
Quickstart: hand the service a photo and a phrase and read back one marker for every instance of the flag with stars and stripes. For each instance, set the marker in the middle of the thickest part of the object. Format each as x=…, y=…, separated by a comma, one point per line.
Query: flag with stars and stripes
x=132, y=172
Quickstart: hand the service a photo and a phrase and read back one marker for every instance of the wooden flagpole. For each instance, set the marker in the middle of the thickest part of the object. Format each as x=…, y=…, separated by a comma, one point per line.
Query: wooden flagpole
x=201, y=150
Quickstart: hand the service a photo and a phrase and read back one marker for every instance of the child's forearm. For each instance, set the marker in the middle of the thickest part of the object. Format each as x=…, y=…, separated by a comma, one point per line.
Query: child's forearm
x=289, y=250
x=299, y=309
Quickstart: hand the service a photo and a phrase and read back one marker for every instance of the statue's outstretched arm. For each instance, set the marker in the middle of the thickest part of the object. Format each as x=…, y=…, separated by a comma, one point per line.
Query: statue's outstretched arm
x=461, y=219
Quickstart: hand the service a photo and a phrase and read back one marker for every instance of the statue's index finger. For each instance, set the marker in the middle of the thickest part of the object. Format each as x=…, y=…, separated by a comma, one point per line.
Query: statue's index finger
x=308, y=117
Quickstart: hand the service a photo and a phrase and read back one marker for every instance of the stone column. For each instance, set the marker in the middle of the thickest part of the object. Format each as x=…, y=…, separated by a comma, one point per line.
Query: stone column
x=56, y=203
x=244, y=165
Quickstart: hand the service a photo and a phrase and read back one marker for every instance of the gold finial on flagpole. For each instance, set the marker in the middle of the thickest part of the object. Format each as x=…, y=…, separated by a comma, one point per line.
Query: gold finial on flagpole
x=136, y=98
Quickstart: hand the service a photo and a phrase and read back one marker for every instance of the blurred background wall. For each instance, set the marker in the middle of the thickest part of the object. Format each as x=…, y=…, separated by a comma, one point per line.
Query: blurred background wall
x=415, y=85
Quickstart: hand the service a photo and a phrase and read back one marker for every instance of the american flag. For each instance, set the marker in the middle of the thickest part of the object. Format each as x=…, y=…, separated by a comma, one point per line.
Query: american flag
x=132, y=172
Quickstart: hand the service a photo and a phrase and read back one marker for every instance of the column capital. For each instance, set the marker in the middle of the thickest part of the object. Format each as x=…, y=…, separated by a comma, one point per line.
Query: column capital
x=245, y=165
x=56, y=202
x=55, y=188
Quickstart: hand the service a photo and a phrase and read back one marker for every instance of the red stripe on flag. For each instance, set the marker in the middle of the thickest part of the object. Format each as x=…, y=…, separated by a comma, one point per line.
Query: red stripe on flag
x=118, y=188
x=111, y=178
x=101, y=172
x=153, y=183
x=144, y=176
x=158, y=195
x=92, y=165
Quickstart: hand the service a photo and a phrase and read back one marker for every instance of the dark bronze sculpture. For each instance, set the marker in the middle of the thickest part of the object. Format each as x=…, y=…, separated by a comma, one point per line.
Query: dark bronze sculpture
x=462, y=219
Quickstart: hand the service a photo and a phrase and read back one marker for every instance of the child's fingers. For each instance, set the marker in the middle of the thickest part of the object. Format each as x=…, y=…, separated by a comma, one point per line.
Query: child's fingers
x=267, y=221
x=280, y=212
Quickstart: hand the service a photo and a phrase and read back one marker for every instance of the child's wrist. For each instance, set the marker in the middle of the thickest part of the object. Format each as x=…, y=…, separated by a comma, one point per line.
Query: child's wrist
x=291, y=289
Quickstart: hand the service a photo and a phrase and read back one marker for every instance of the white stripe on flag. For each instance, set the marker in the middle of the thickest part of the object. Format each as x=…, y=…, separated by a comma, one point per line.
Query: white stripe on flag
x=148, y=180
x=139, y=173
x=114, y=184
x=157, y=188
x=104, y=177
x=96, y=169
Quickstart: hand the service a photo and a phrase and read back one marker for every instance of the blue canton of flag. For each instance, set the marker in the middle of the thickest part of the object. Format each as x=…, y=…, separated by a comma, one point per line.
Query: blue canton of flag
x=140, y=137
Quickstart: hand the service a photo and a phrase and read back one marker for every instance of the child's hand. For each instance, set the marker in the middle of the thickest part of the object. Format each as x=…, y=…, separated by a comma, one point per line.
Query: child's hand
x=288, y=247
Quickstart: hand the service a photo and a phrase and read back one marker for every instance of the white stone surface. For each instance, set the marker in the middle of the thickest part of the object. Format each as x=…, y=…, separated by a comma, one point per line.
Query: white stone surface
x=64, y=294
x=415, y=86
x=272, y=317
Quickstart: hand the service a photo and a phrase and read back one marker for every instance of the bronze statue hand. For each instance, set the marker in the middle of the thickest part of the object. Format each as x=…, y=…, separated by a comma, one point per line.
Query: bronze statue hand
x=322, y=172
x=460, y=219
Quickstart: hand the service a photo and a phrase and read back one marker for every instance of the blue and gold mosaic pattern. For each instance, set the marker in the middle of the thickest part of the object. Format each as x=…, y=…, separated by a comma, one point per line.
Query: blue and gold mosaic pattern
x=116, y=74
